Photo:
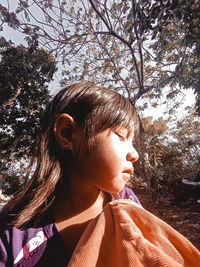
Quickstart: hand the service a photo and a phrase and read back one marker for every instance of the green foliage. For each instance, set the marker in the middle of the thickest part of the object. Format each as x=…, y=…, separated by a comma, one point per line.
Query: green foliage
x=177, y=37
x=24, y=76
x=135, y=46
x=138, y=47
x=173, y=151
x=13, y=179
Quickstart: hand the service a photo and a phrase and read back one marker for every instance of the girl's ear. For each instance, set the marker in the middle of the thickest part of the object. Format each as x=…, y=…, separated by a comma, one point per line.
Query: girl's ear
x=63, y=130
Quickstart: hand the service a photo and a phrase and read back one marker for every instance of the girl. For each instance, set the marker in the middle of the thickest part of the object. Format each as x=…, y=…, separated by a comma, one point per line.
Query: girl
x=64, y=216
x=83, y=158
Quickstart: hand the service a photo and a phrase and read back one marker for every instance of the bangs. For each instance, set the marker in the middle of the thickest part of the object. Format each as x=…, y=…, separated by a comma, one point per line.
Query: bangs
x=107, y=109
x=96, y=109
x=118, y=112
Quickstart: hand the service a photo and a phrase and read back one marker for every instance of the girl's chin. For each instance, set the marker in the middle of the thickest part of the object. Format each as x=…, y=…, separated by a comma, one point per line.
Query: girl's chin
x=117, y=189
x=126, y=177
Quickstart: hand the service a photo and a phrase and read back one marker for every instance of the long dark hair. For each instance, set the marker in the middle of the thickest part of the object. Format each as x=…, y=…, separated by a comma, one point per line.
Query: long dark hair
x=94, y=109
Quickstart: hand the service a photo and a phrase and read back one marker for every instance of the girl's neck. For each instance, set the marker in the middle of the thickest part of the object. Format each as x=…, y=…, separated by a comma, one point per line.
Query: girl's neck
x=78, y=201
x=72, y=212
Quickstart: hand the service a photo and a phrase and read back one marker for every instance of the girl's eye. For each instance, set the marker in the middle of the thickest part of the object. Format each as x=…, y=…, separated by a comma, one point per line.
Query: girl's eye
x=121, y=137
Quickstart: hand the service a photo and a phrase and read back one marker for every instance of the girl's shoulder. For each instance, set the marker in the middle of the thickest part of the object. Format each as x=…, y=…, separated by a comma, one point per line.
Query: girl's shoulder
x=127, y=193
x=22, y=246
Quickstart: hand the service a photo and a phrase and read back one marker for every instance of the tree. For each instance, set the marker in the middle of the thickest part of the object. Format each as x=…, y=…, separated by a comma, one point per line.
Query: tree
x=178, y=33
x=13, y=179
x=120, y=44
x=24, y=76
x=173, y=150
x=113, y=42
x=109, y=41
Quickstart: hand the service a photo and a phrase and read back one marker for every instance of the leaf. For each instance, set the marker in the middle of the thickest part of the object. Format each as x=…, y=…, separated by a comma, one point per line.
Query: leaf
x=71, y=10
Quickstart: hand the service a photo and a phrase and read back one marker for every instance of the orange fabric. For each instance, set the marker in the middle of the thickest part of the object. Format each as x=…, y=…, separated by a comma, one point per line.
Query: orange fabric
x=125, y=234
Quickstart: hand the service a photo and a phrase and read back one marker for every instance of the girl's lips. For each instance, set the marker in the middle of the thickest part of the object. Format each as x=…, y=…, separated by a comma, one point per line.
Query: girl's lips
x=129, y=171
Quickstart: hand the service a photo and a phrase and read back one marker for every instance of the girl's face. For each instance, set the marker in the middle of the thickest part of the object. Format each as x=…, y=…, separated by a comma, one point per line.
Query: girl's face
x=108, y=162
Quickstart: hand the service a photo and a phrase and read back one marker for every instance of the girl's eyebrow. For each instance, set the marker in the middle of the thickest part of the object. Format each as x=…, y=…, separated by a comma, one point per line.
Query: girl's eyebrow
x=122, y=129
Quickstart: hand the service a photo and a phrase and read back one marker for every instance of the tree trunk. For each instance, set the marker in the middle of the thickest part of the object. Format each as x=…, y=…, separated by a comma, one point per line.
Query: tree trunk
x=142, y=166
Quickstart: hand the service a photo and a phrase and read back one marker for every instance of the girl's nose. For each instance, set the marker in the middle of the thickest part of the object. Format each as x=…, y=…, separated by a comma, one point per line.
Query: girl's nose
x=132, y=155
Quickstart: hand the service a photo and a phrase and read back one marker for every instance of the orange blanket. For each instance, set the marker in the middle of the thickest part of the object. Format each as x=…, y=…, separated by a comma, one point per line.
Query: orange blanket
x=125, y=234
